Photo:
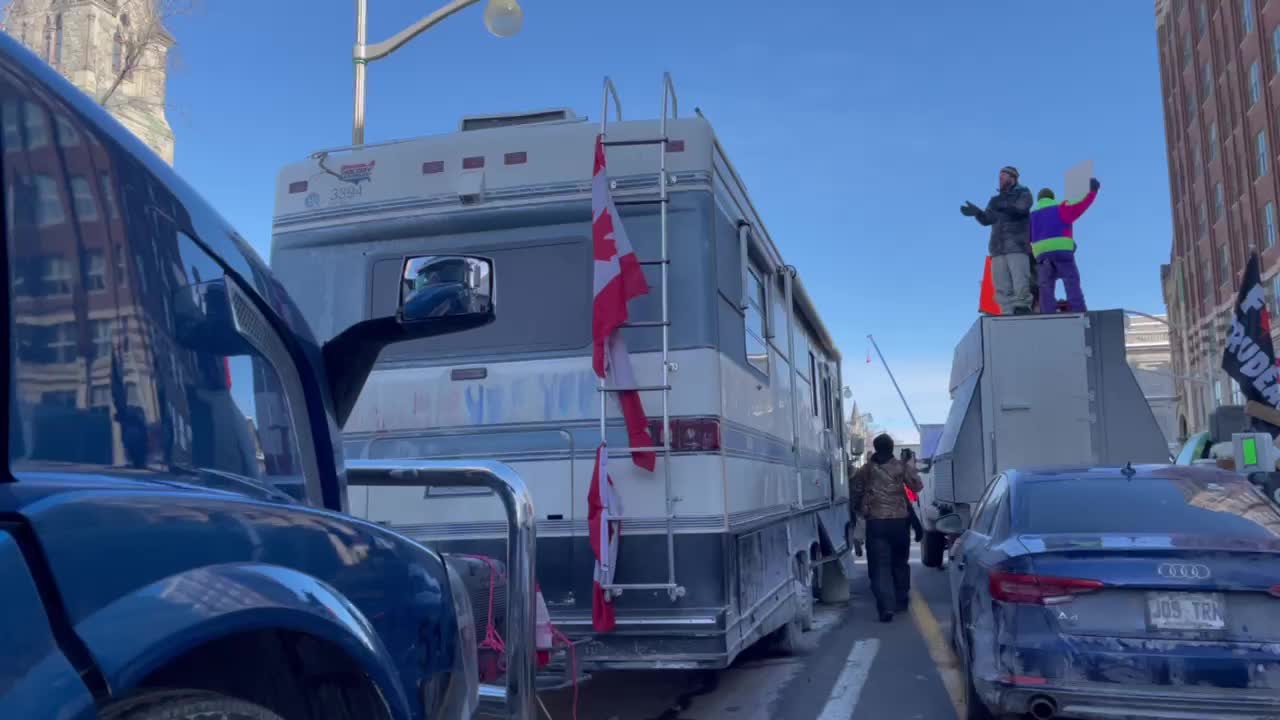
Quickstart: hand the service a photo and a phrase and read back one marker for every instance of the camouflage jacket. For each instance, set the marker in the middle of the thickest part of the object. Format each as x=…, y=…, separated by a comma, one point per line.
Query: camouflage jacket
x=876, y=492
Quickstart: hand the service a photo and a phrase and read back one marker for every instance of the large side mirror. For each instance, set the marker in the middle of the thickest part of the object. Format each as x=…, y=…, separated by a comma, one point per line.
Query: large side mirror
x=951, y=524
x=439, y=294
x=441, y=286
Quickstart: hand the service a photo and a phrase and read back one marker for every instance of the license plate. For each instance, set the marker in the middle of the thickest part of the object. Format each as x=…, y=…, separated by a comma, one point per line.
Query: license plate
x=1186, y=611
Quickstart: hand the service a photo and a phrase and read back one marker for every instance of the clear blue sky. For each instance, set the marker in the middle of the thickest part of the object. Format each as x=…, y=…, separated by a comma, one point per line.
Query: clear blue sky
x=859, y=127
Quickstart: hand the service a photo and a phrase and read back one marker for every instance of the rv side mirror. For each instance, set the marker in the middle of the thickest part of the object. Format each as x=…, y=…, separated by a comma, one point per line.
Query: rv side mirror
x=433, y=287
x=951, y=524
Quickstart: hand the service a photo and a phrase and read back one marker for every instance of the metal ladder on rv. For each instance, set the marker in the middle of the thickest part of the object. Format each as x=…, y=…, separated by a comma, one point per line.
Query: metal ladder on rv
x=674, y=590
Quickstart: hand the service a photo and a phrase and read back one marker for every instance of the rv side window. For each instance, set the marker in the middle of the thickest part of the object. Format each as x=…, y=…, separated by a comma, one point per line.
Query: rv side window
x=813, y=382
x=756, y=321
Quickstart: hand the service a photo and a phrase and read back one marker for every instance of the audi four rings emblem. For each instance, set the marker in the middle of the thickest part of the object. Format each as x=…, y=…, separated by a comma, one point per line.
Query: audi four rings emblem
x=1183, y=571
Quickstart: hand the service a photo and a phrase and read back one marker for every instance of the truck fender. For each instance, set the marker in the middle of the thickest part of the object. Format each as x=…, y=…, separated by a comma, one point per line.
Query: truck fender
x=140, y=632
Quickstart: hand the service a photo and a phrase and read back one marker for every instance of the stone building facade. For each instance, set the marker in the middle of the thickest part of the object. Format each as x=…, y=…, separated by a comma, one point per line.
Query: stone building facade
x=116, y=51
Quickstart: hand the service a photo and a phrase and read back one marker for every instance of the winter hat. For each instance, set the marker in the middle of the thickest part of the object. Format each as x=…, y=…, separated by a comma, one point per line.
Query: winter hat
x=1045, y=194
x=1011, y=170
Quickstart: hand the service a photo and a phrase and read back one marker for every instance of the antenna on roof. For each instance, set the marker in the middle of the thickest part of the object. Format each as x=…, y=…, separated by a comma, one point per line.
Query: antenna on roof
x=1128, y=471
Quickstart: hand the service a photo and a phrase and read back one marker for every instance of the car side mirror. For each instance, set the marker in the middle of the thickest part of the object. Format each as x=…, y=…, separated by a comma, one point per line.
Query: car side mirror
x=438, y=295
x=433, y=287
x=951, y=524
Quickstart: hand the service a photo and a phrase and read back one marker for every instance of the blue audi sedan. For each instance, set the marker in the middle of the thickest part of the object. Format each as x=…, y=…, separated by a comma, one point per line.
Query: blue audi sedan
x=1149, y=592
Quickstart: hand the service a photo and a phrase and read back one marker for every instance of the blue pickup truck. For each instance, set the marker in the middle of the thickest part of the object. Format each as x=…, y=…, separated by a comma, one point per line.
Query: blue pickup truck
x=172, y=537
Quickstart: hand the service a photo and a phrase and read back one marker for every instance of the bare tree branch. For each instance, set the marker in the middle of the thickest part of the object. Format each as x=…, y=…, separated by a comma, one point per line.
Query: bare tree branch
x=143, y=38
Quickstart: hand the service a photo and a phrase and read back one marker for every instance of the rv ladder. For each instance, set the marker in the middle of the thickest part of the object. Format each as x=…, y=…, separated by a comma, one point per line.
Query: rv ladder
x=674, y=590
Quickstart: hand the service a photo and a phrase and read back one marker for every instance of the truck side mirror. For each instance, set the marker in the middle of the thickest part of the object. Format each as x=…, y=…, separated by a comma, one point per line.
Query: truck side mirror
x=439, y=295
x=951, y=524
x=440, y=286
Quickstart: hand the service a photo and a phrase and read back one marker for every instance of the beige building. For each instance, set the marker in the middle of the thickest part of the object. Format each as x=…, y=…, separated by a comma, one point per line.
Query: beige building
x=1146, y=345
x=116, y=51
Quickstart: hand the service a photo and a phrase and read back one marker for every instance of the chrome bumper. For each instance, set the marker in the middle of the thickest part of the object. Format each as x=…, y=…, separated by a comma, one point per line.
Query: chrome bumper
x=519, y=693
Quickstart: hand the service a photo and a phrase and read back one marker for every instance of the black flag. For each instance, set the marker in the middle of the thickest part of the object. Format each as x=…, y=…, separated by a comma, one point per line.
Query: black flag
x=1250, y=356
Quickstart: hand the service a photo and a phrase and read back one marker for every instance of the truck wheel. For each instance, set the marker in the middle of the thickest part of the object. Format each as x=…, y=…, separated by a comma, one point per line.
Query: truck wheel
x=186, y=705
x=931, y=548
x=804, y=591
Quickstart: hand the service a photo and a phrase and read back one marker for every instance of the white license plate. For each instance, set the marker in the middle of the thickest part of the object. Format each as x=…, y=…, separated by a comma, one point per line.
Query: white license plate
x=1186, y=611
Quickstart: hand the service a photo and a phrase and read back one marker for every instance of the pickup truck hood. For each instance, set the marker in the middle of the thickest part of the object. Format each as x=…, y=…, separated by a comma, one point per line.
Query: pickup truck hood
x=43, y=481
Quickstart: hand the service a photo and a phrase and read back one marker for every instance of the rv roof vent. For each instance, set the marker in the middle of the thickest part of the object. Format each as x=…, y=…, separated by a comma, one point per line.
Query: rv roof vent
x=484, y=122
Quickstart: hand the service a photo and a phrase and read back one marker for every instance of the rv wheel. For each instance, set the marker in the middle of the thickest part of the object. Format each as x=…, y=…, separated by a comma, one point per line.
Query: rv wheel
x=804, y=591
x=931, y=548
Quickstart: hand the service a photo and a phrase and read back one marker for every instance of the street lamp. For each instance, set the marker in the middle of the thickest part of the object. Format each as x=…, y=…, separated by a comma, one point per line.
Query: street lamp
x=503, y=18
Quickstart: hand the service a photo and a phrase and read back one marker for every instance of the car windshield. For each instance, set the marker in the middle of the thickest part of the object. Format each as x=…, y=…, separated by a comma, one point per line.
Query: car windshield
x=1144, y=505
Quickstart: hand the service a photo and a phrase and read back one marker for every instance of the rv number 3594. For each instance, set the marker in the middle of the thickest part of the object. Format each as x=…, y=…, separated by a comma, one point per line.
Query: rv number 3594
x=345, y=194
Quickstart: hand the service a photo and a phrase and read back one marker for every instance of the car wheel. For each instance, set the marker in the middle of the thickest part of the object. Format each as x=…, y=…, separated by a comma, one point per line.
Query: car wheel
x=931, y=548
x=185, y=705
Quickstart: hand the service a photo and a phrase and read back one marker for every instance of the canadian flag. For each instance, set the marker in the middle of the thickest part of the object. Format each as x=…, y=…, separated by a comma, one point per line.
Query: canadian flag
x=617, y=278
x=604, y=507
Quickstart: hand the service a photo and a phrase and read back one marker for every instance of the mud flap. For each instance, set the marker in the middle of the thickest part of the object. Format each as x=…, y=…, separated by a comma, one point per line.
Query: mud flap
x=833, y=538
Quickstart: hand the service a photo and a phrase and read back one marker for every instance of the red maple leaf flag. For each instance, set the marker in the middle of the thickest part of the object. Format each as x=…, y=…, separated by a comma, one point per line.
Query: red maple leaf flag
x=617, y=279
x=604, y=508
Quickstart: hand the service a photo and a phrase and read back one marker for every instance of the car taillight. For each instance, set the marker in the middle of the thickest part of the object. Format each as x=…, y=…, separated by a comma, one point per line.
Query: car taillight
x=689, y=434
x=1275, y=591
x=1038, y=590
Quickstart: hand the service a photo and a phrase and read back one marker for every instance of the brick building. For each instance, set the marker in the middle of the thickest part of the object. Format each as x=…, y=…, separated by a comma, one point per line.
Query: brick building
x=1219, y=64
x=116, y=51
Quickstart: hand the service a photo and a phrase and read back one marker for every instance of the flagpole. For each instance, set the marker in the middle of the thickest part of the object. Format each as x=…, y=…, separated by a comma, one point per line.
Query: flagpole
x=894, y=380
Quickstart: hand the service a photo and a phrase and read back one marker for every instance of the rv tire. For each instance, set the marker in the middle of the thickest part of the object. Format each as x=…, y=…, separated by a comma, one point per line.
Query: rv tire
x=804, y=591
x=931, y=548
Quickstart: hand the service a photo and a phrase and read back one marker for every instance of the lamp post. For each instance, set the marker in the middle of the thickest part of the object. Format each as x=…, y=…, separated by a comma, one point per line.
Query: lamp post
x=503, y=18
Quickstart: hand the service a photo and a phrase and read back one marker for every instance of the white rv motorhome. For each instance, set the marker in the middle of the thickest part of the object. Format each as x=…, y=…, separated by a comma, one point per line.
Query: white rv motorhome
x=746, y=517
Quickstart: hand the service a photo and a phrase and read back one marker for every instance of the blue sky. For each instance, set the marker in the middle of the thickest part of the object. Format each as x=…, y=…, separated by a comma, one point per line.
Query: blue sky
x=859, y=127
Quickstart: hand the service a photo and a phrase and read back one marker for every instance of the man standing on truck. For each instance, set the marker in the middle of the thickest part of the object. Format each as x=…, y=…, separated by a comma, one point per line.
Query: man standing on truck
x=1009, y=247
x=1054, y=246
x=877, y=493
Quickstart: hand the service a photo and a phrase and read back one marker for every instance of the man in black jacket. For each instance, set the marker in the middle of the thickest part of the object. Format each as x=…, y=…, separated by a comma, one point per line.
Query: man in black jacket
x=1008, y=213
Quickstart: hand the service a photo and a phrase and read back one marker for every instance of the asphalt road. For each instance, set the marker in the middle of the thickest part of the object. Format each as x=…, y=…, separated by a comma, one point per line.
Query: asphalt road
x=852, y=667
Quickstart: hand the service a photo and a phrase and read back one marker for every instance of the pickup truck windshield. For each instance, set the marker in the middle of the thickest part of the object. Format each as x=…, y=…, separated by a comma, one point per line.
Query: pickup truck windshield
x=102, y=377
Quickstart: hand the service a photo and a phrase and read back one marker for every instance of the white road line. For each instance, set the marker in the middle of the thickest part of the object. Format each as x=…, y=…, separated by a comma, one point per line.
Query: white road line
x=844, y=696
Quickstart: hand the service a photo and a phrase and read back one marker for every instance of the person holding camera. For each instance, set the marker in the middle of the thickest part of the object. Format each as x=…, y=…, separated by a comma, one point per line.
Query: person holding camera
x=878, y=494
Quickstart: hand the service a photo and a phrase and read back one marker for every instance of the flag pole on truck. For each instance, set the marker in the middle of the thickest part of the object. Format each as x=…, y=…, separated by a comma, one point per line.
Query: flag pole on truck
x=895, y=384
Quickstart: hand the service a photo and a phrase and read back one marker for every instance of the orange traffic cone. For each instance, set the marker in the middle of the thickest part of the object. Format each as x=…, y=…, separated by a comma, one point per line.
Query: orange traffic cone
x=987, y=296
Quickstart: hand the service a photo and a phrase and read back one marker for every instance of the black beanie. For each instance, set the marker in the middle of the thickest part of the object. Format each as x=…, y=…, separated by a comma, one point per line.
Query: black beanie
x=883, y=444
x=1045, y=193
x=1011, y=170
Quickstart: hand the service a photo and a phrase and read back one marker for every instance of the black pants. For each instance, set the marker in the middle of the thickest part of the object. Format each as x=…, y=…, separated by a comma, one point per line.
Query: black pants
x=888, y=555
x=916, y=528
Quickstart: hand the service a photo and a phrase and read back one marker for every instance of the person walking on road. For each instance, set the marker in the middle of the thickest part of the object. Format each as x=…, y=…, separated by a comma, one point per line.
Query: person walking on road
x=1007, y=215
x=1054, y=246
x=878, y=492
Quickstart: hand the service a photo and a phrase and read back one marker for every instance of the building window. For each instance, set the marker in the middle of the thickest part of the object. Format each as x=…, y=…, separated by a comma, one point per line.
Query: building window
x=102, y=336
x=117, y=53
x=1204, y=221
x=1186, y=49
x=1269, y=226
x=1191, y=102
x=1206, y=82
x=1246, y=12
x=1202, y=17
x=63, y=343
x=1260, y=145
x=1275, y=50
x=122, y=272
x=108, y=196
x=82, y=194
x=48, y=202
x=1255, y=84
x=1224, y=265
x=1199, y=166
x=37, y=126
x=755, y=320
x=55, y=278
x=1213, y=141
x=1275, y=293
x=96, y=277
x=48, y=39
x=1217, y=201
x=57, y=39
